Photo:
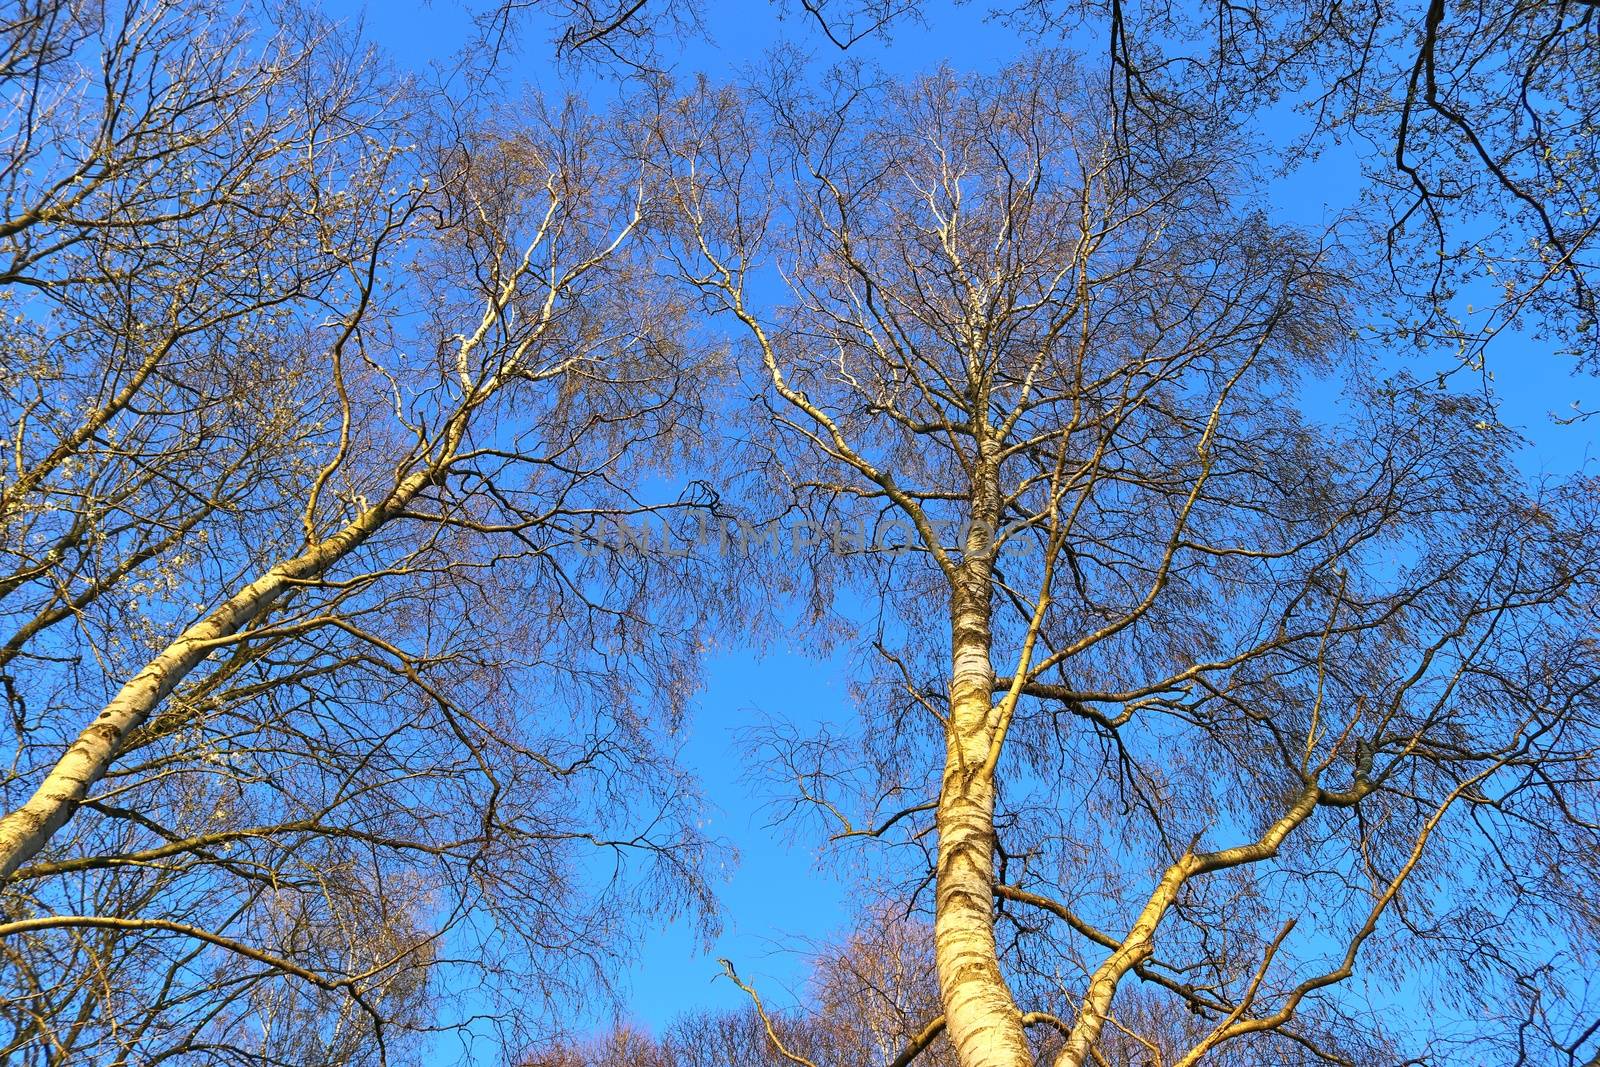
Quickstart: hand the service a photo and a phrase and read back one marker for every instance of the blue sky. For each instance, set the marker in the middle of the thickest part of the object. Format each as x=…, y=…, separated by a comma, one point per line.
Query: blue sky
x=777, y=897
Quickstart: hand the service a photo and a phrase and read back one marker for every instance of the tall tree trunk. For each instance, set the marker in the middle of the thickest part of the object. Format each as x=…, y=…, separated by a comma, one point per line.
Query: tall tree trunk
x=981, y=1015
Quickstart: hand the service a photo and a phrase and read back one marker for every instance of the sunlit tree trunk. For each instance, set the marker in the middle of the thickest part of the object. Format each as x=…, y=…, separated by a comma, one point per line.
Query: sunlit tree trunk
x=24, y=831
x=981, y=1015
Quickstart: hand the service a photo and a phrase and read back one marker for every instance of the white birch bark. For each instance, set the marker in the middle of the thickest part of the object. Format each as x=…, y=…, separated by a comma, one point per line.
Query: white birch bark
x=28, y=828
x=981, y=1015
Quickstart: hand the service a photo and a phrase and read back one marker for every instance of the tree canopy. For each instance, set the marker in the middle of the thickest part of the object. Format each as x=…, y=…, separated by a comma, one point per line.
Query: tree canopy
x=386, y=452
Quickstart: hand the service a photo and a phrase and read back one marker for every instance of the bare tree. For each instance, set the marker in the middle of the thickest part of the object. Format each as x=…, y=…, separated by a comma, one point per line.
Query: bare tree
x=322, y=678
x=1190, y=683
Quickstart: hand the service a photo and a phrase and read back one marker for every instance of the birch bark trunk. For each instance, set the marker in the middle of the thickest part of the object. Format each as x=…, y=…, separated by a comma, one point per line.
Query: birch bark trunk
x=27, y=829
x=981, y=1015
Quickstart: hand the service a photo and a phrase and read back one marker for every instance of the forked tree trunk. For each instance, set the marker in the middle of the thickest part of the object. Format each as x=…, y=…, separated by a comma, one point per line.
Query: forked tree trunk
x=981, y=1016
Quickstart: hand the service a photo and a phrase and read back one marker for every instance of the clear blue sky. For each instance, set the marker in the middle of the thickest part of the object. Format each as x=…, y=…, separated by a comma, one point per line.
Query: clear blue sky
x=777, y=897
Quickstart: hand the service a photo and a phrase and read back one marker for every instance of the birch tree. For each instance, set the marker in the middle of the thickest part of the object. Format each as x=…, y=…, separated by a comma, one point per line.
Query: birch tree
x=1219, y=657
x=322, y=680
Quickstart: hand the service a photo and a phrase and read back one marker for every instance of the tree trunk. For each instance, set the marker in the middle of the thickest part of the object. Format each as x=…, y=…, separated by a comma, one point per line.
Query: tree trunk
x=981, y=1015
x=27, y=829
